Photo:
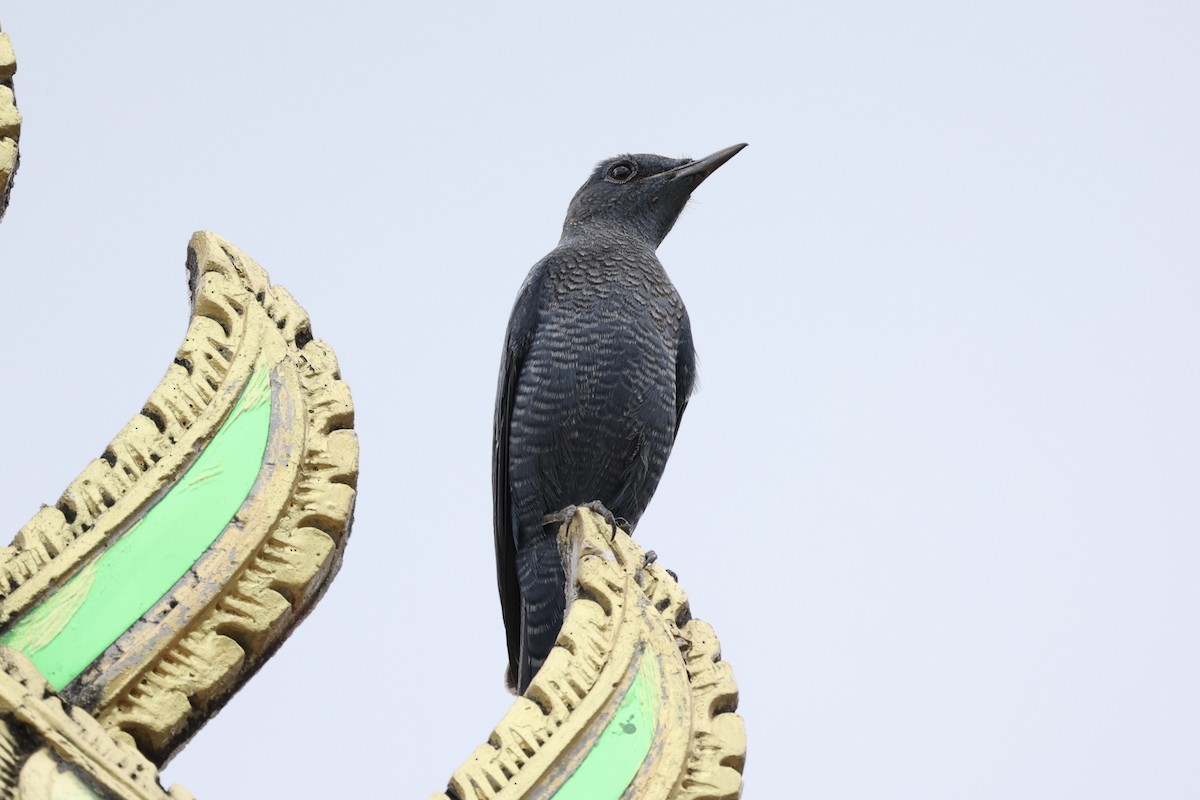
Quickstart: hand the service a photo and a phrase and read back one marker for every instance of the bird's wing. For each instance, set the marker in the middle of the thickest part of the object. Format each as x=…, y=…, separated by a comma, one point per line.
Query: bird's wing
x=516, y=344
x=685, y=370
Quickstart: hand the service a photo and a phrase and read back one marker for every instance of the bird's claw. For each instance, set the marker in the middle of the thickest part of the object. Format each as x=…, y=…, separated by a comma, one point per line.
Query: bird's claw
x=560, y=517
x=603, y=511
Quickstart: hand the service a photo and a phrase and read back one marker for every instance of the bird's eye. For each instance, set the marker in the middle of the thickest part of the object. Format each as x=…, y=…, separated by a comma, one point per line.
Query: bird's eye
x=621, y=172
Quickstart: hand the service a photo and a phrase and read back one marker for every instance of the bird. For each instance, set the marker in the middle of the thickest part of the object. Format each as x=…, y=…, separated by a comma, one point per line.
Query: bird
x=596, y=372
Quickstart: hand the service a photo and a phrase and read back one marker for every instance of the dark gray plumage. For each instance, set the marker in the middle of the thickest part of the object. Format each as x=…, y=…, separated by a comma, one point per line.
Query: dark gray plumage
x=597, y=369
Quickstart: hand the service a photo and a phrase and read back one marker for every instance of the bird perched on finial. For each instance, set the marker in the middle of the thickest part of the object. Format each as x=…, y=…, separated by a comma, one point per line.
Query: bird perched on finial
x=597, y=369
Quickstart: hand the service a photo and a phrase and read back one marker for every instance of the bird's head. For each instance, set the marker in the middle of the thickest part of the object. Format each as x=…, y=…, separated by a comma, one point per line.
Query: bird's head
x=641, y=195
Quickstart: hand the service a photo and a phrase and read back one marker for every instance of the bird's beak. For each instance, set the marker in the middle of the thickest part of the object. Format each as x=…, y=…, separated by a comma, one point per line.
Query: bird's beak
x=703, y=167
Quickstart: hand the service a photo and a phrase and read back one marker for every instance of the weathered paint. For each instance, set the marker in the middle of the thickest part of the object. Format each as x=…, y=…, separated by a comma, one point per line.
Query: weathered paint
x=68, y=630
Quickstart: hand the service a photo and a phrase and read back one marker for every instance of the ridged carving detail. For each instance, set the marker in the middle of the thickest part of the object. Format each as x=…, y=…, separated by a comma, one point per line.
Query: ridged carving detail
x=10, y=122
x=170, y=672
x=39, y=734
x=620, y=609
x=294, y=564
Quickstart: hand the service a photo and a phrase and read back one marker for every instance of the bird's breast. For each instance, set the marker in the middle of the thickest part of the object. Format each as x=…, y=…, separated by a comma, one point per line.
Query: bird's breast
x=615, y=289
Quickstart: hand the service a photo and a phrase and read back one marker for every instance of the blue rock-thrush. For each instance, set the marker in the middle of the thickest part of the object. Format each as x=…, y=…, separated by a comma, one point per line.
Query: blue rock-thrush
x=597, y=369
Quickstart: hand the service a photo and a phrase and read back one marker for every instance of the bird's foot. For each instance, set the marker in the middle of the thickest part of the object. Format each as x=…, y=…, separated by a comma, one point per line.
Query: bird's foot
x=566, y=515
x=649, y=558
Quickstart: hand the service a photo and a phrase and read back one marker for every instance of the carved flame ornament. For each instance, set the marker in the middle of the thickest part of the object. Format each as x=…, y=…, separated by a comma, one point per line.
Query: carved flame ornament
x=183, y=556
x=633, y=702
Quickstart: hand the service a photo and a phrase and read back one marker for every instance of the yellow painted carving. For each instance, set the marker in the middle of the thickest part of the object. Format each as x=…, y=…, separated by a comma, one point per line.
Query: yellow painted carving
x=620, y=609
x=195, y=646
x=74, y=625
x=10, y=121
x=61, y=751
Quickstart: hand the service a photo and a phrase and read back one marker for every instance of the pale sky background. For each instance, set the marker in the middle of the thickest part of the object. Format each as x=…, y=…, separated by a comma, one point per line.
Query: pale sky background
x=938, y=492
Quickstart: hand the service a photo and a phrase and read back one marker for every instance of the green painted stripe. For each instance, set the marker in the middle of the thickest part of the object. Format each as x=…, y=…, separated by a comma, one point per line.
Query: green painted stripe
x=619, y=752
x=68, y=630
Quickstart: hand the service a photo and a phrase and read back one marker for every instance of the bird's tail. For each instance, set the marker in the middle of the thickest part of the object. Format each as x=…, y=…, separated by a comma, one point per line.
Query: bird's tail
x=543, y=601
